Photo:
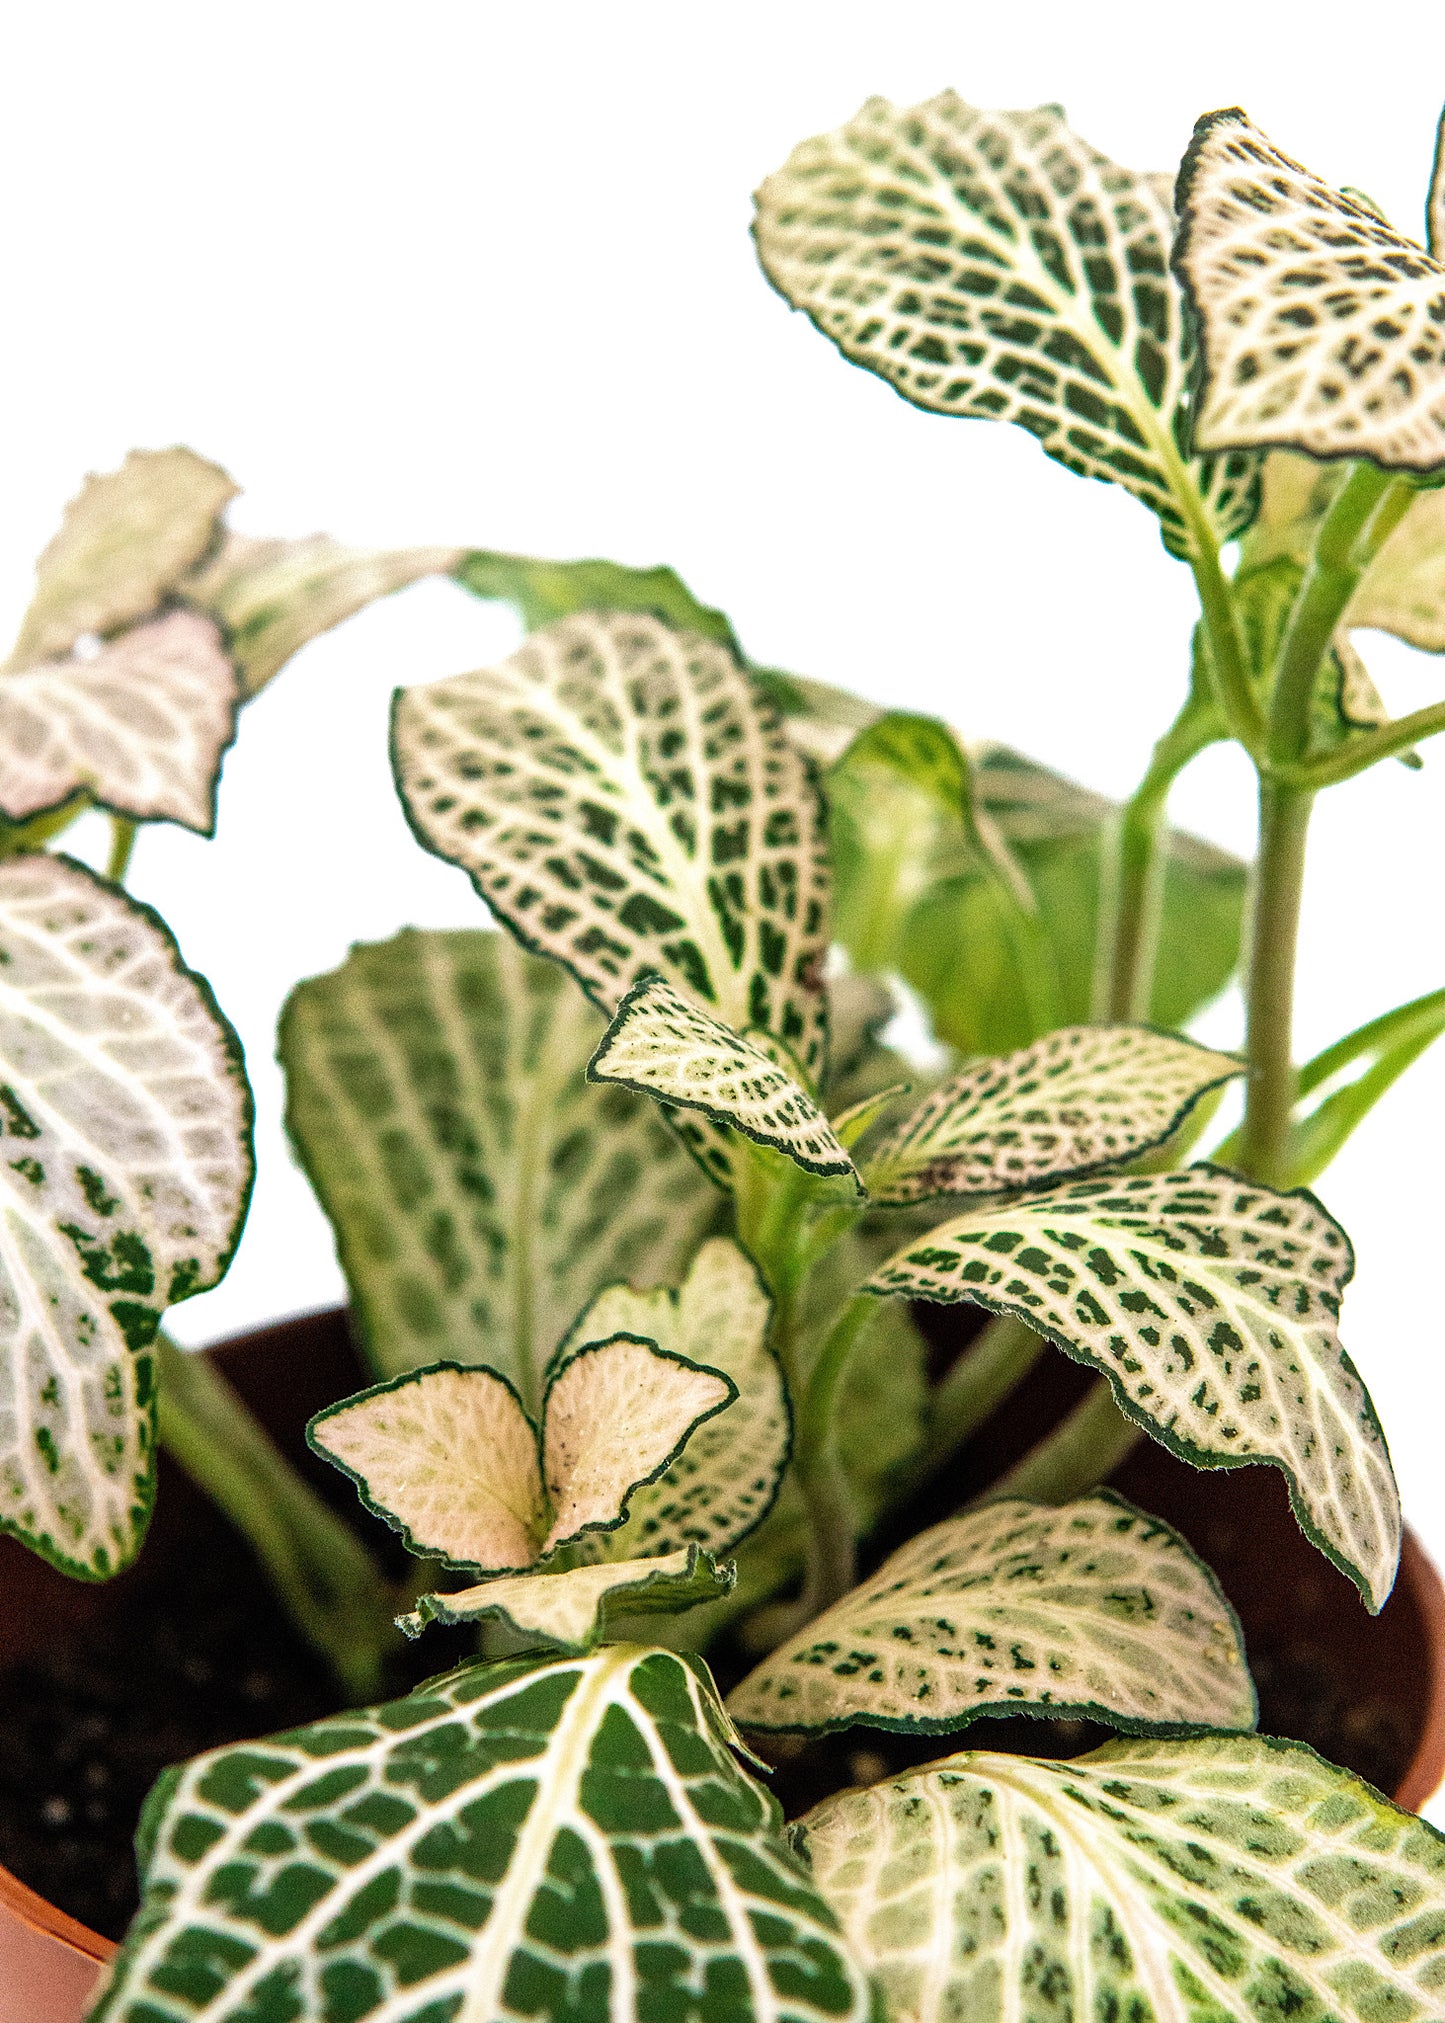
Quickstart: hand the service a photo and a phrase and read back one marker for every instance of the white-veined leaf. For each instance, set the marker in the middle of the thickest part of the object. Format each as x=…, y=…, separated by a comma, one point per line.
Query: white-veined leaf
x=514, y=1841
x=140, y=726
x=1092, y=1610
x=576, y=1607
x=125, y=1145
x=1435, y=201
x=1226, y=1877
x=723, y=1483
x=126, y=540
x=623, y=799
x=618, y=1413
x=1081, y=1098
x=481, y=1189
x=1323, y=328
x=448, y=1458
x=271, y=597
x=1212, y=1305
x=993, y=264
x=663, y=1043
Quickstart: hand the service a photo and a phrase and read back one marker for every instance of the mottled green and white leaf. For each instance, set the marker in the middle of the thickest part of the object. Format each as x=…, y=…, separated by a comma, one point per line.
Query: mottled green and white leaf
x=994, y=265
x=541, y=590
x=1092, y=1610
x=722, y=1485
x=1212, y=1306
x=481, y=1189
x=272, y=597
x=624, y=800
x=514, y=1841
x=1080, y=1099
x=1227, y=1877
x=1322, y=327
x=125, y=1158
x=577, y=1606
x=663, y=1043
x=449, y=1459
x=618, y=1413
x=140, y=726
x=126, y=540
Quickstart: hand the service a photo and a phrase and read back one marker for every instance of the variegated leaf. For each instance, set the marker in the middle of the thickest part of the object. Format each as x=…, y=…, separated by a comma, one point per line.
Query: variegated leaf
x=540, y=590
x=481, y=1189
x=1212, y=1305
x=126, y=540
x=125, y=1144
x=576, y=1607
x=514, y=1841
x=1228, y=1878
x=1322, y=327
x=618, y=1413
x=1435, y=201
x=621, y=797
x=448, y=1458
x=723, y=1483
x=993, y=264
x=140, y=726
x=271, y=597
x=1082, y=1098
x=663, y=1044
x=1091, y=1610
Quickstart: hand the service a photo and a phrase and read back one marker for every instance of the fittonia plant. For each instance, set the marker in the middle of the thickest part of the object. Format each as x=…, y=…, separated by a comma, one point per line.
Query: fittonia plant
x=633, y=1201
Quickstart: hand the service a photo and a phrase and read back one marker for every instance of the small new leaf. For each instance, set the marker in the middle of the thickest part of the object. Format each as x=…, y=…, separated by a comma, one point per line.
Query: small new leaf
x=271, y=597
x=513, y=1841
x=1212, y=1306
x=1323, y=328
x=126, y=540
x=1091, y=1611
x=663, y=1044
x=993, y=264
x=482, y=1190
x=1081, y=1099
x=139, y=726
x=723, y=1483
x=1230, y=1877
x=577, y=1608
x=125, y=1164
x=625, y=802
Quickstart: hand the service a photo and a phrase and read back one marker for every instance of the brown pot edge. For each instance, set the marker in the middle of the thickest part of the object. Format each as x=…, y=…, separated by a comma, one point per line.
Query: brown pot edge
x=51, y=1923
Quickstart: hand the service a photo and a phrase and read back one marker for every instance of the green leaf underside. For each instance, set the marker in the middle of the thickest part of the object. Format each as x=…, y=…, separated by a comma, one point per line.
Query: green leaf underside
x=450, y=1459
x=126, y=539
x=724, y=1481
x=1323, y=328
x=125, y=1148
x=993, y=264
x=272, y=597
x=1091, y=1610
x=663, y=1044
x=481, y=1189
x=570, y=1838
x=141, y=726
x=621, y=797
x=1082, y=1098
x=1212, y=1305
x=1227, y=1878
x=576, y=1607
x=543, y=590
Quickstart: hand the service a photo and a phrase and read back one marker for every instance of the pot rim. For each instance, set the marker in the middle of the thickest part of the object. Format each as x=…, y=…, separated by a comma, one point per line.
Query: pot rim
x=51, y=1922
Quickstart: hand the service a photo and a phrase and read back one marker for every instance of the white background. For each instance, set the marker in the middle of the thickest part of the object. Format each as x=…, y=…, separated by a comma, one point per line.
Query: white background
x=473, y=273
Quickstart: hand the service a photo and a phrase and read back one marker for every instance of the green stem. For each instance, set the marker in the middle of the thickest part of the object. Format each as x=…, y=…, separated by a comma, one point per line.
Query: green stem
x=1077, y=1455
x=16, y=837
x=324, y=1576
x=1129, y=919
x=1284, y=814
x=832, y=1515
x=988, y=1372
x=1366, y=509
x=1366, y=749
x=122, y=842
x=1228, y=661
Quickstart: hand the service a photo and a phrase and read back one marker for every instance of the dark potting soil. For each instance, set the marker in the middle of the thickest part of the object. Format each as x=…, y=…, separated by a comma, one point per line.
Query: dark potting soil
x=101, y=1689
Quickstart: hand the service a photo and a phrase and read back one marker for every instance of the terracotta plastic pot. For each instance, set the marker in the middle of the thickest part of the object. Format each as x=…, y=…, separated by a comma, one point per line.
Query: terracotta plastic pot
x=50, y=1964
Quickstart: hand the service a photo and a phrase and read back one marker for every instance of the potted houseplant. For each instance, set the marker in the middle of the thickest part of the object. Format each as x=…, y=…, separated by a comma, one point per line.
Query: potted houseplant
x=641, y=1220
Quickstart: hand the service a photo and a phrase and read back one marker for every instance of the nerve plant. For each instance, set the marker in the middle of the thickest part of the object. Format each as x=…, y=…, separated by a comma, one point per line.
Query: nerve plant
x=631, y=1261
